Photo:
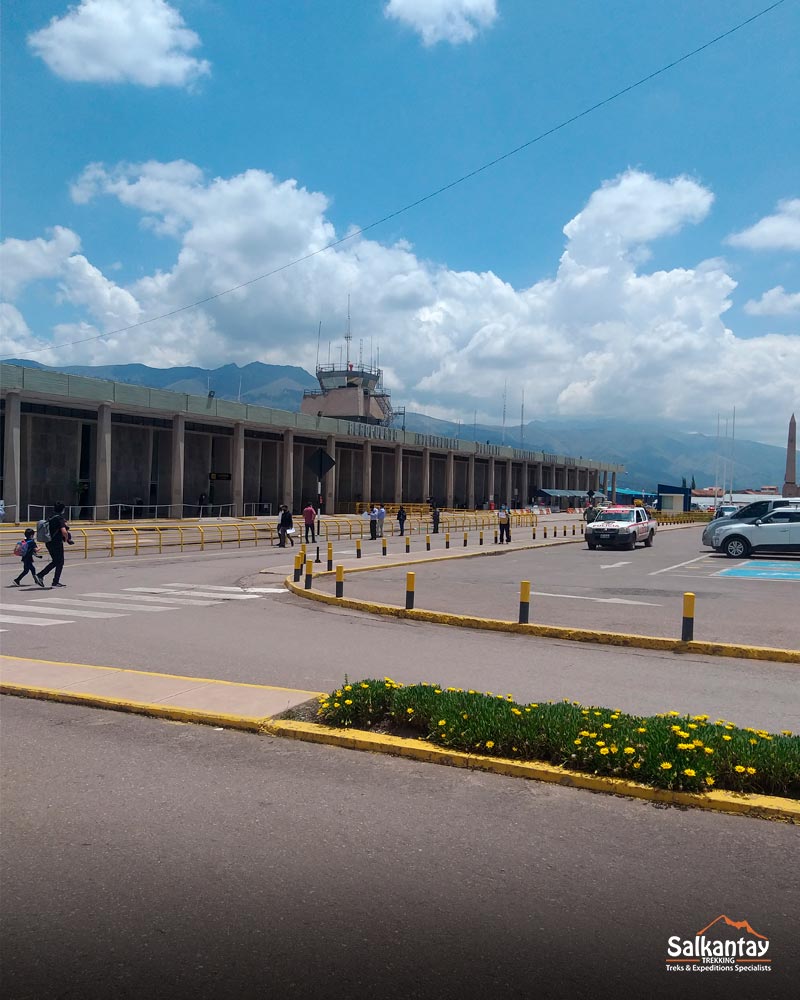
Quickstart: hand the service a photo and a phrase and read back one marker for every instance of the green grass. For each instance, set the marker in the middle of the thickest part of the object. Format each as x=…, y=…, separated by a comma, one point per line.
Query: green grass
x=683, y=753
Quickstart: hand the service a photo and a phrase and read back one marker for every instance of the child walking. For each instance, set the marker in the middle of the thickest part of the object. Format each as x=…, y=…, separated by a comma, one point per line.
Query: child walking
x=30, y=550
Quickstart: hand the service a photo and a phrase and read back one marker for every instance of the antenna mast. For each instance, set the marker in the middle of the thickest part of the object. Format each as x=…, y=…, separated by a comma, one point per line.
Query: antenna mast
x=348, y=336
x=522, y=420
x=505, y=392
x=319, y=334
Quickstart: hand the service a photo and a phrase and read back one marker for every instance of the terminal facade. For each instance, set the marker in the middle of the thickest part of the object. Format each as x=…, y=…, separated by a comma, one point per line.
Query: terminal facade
x=102, y=445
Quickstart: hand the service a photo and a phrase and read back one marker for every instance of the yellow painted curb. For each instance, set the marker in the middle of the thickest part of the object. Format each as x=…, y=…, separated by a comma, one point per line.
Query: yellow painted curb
x=551, y=631
x=759, y=806
x=173, y=712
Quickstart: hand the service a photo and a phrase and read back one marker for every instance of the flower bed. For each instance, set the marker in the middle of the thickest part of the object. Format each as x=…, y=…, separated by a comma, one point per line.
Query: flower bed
x=683, y=753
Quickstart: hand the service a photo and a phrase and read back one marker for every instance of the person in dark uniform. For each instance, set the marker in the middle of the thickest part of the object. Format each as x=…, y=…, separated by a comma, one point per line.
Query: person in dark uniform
x=59, y=536
x=435, y=515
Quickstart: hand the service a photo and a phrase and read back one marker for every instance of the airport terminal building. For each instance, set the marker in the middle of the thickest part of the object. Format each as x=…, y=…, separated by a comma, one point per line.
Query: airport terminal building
x=106, y=446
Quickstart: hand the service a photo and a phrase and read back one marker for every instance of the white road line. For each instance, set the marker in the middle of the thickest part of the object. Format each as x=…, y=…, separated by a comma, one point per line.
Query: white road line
x=599, y=600
x=266, y=590
x=614, y=565
x=16, y=620
x=104, y=605
x=30, y=609
x=678, y=565
x=165, y=603
x=200, y=586
x=191, y=593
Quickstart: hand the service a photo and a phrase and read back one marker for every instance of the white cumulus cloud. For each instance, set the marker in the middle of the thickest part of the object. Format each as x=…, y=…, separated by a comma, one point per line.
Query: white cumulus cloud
x=775, y=302
x=603, y=335
x=780, y=231
x=25, y=261
x=121, y=41
x=453, y=21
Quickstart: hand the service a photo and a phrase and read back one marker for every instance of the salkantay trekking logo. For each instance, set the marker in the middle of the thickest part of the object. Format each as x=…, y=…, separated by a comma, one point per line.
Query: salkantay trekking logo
x=719, y=947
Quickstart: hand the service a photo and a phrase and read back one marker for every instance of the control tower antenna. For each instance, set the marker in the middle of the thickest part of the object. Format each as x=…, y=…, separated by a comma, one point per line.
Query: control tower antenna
x=348, y=335
x=522, y=420
x=505, y=393
x=361, y=352
x=319, y=335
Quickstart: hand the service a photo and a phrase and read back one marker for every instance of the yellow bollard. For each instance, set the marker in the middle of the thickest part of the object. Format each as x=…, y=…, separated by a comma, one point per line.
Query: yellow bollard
x=408, y=543
x=309, y=573
x=330, y=556
x=410, y=580
x=687, y=625
x=480, y=538
x=383, y=545
x=447, y=539
x=298, y=566
x=428, y=543
x=524, y=602
x=465, y=539
x=358, y=548
x=340, y=581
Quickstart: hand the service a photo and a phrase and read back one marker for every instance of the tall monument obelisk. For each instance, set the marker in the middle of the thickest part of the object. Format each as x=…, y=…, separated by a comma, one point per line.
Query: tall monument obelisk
x=790, y=487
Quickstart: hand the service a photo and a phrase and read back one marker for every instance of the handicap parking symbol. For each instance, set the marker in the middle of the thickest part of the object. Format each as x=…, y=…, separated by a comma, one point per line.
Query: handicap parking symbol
x=772, y=570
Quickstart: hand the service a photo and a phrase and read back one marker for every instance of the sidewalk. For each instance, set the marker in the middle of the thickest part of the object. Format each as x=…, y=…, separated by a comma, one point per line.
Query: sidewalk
x=187, y=699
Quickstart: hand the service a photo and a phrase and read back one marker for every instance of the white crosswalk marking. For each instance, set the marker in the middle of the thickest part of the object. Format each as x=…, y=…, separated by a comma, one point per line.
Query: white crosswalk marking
x=17, y=620
x=190, y=593
x=202, y=586
x=105, y=605
x=29, y=609
x=162, y=603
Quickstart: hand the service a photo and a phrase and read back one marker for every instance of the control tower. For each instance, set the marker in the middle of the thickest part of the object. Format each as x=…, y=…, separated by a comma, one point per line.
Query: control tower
x=350, y=391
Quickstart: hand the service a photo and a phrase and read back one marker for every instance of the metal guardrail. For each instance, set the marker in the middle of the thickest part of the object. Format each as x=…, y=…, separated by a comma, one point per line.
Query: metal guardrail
x=131, y=511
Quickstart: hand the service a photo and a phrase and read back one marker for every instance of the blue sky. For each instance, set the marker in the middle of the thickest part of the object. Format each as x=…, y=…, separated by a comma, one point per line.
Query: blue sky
x=158, y=152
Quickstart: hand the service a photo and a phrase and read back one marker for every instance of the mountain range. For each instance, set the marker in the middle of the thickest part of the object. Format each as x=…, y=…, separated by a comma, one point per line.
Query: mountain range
x=651, y=452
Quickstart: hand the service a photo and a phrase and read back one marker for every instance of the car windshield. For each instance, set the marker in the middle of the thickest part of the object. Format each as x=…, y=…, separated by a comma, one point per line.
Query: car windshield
x=620, y=515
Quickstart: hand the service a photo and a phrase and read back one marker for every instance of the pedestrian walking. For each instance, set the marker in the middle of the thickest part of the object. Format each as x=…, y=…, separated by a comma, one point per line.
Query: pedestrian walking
x=202, y=500
x=309, y=517
x=27, y=548
x=285, y=527
x=504, y=520
x=58, y=530
x=435, y=515
x=381, y=519
x=373, y=523
x=401, y=519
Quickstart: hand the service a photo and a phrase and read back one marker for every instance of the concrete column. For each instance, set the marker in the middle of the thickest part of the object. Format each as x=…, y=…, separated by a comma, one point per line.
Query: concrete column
x=471, y=483
x=366, y=475
x=330, y=479
x=237, y=470
x=102, y=469
x=176, y=465
x=524, y=485
x=11, y=457
x=613, y=487
x=398, y=474
x=605, y=482
x=509, y=483
x=490, y=480
x=426, y=474
x=287, y=485
x=449, y=478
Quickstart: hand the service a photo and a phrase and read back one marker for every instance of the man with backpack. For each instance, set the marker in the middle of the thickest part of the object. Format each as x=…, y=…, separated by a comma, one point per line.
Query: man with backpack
x=54, y=532
x=26, y=548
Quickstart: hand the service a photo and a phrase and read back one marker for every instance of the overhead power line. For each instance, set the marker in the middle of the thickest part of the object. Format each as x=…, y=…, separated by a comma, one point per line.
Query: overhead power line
x=431, y=194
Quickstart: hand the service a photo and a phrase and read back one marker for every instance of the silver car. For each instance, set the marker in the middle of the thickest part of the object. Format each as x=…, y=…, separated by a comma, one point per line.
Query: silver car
x=748, y=514
x=778, y=532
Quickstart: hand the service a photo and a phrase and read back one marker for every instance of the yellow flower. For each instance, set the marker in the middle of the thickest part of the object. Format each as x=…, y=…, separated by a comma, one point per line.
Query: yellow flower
x=606, y=725
x=489, y=744
x=577, y=743
x=666, y=766
x=593, y=735
x=583, y=732
x=336, y=704
x=739, y=769
x=641, y=729
x=534, y=704
x=604, y=750
x=348, y=701
x=615, y=716
x=751, y=770
x=348, y=687
x=325, y=704
x=363, y=685
x=510, y=697
x=689, y=772
x=437, y=691
x=697, y=743
x=516, y=711
x=465, y=716
x=600, y=743
x=700, y=718
x=613, y=749
x=629, y=750
x=709, y=781
x=683, y=735
x=691, y=725
x=636, y=766
x=727, y=738
x=442, y=722
x=410, y=711
x=597, y=713
x=338, y=694
x=673, y=713
x=685, y=746
x=754, y=742
x=471, y=691
x=786, y=732
x=708, y=750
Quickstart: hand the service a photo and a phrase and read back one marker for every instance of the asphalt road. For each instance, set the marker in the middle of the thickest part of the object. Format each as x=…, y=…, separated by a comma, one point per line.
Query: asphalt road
x=276, y=638
x=144, y=859
x=618, y=591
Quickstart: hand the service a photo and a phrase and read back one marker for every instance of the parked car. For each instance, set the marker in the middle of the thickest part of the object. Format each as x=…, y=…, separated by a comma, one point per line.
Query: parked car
x=779, y=531
x=621, y=526
x=749, y=514
x=725, y=509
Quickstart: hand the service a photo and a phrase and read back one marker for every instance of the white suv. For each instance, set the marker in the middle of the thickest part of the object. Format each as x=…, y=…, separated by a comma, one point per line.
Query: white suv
x=777, y=532
x=750, y=513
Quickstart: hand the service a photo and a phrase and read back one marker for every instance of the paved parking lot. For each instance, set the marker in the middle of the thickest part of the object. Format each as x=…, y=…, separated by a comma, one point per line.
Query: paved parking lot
x=751, y=602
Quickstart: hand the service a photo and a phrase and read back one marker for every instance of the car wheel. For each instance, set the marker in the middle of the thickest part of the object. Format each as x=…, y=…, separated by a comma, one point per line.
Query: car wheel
x=632, y=542
x=591, y=545
x=649, y=540
x=736, y=547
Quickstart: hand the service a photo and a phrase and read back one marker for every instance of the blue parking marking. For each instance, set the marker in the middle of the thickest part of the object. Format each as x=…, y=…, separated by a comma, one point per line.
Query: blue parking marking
x=775, y=570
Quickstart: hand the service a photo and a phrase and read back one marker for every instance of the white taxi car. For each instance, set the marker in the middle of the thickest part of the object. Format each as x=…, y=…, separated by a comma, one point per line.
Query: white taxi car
x=621, y=527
